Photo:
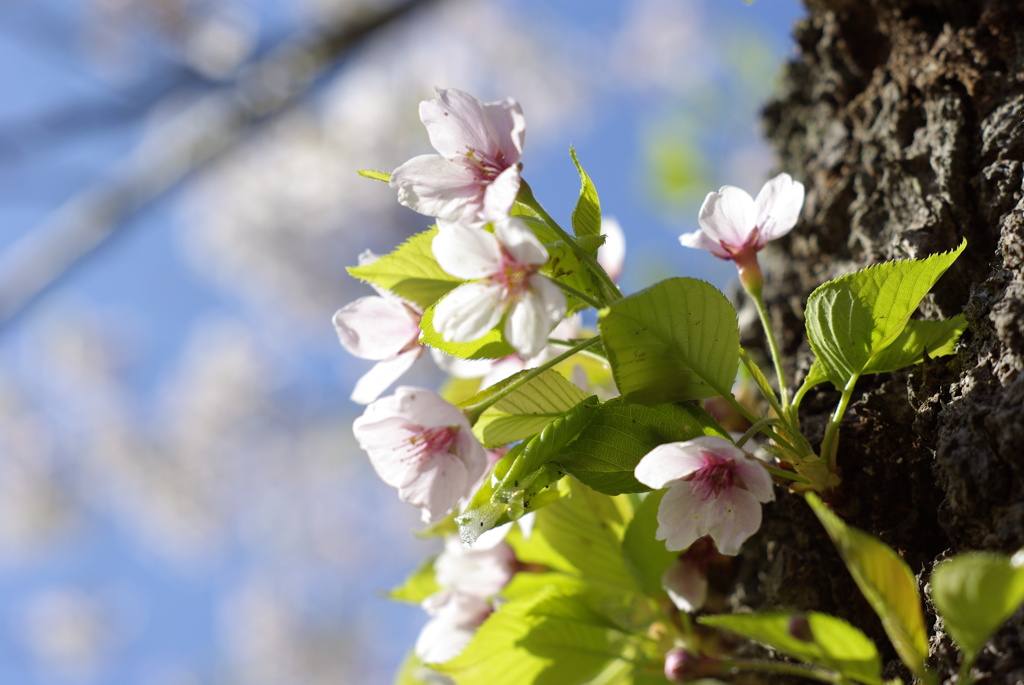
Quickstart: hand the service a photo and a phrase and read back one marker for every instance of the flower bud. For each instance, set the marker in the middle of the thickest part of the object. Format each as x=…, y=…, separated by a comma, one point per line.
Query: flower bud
x=682, y=666
x=800, y=628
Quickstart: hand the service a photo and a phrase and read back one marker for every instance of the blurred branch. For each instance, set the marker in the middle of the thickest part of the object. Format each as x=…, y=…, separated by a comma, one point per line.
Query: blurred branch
x=191, y=140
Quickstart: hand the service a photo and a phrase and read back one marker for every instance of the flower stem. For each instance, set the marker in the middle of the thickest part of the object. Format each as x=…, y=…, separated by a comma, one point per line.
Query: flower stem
x=578, y=294
x=527, y=198
x=766, y=324
x=828, y=446
x=473, y=411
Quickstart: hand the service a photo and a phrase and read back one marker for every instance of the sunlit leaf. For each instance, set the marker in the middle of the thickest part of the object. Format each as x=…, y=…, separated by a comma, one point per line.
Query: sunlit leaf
x=852, y=320
x=375, y=175
x=527, y=409
x=975, y=593
x=677, y=340
x=417, y=587
x=919, y=338
x=410, y=271
x=586, y=216
x=491, y=345
x=646, y=556
x=826, y=640
x=887, y=583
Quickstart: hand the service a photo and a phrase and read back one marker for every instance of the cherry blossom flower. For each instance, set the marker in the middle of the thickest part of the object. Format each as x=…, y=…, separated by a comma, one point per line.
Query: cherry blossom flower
x=503, y=267
x=714, y=489
x=686, y=579
x=469, y=580
x=422, y=445
x=475, y=179
x=732, y=224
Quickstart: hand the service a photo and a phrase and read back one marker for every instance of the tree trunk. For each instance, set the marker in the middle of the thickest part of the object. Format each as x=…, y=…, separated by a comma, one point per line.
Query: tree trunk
x=905, y=120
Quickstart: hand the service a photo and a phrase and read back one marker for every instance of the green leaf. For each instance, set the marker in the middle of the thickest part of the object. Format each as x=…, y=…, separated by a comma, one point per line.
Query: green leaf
x=853, y=319
x=832, y=642
x=586, y=217
x=607, y=451
x=887, y=583
x=491, y=346
x=646, y=556
x=375, y=175
x=417, y=587
x=582, y=535
x=527, y=409
x=550, y=638
x=677, y=340
x=410, y=271
x=975, y=593
x=563, y=264
x=919, y=338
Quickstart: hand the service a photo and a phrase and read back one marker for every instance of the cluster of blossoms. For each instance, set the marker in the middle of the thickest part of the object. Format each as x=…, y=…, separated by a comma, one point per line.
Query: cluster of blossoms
x=425, y=447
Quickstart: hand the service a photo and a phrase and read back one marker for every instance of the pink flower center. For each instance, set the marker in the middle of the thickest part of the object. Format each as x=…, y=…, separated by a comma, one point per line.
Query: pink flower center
x=513, y=276
x=430, y=441
x=485, y=167
x=717, y=474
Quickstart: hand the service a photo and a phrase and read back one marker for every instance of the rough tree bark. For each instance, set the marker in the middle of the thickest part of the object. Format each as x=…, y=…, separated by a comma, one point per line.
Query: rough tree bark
x=905, y=120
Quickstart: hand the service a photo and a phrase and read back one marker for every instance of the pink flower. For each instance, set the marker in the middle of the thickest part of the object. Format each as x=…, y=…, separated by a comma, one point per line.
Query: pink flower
x=733, y=223
x=475, y=179
x=422, y=445
x=713, y=489
x=504, y=267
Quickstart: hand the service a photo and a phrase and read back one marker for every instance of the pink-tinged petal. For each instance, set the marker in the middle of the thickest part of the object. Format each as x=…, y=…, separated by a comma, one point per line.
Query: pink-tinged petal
x=376, y=327
x=461, y=368
x=538, y=310
x=612, y=253
x=778, y=207
x=520, y=242
x=438, y=487
x=378, y=379
x=427, y=409
x=756, y=479
x=469, y=312
x=453, y=626
x=700, y=241
x=456, y=123
x=479, y=571
x=738, y=517
x=507, y=126
x=680, y=519
x=466, y=252
x=500, y=194
x=431, y=185
x=728, y=216
x=687, y=584
x=667, y=463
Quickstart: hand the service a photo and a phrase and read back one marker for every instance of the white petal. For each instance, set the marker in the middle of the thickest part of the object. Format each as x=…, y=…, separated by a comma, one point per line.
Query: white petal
x=469, y=312
x=728, y=216
x=612, y=253
x=778, y=207
x=520, y=242
x=382, y=375
x=461, y=368
x=700, y=241
x=465, y=252
x=680, y=521
x=439, y=485
x=666, y=463
x=539, y=309
x=500, y=195
x=431, y=185
x=738, y=517
x=428, y=409
x=376, y=327
x=686, y=584
x=756, y=479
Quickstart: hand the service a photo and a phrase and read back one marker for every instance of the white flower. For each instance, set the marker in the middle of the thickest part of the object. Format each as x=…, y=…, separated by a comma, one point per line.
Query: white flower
x=732, y=222
x=713, y=489
x=503, y=267
x=456, y=617
x=422, y=445
x=475, y=179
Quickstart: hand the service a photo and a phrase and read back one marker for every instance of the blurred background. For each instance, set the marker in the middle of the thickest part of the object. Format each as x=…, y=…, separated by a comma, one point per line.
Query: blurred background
x=181, y=499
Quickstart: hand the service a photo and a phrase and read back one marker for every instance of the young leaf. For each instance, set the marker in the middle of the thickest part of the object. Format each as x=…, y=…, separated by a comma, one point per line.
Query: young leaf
x=586, y=217
x=975, y=593
x=526, y=410
x=375, y=175
x=621, y=433
x=582, y=535
x=887, y=583
x=491, y=346
x=646, y=556
x=853, y=319
x=543, y=447
x=552, y=637
x=677, y=340
x=411, y=272
x=919, y=338
x=827, y=641
x=418, y=586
